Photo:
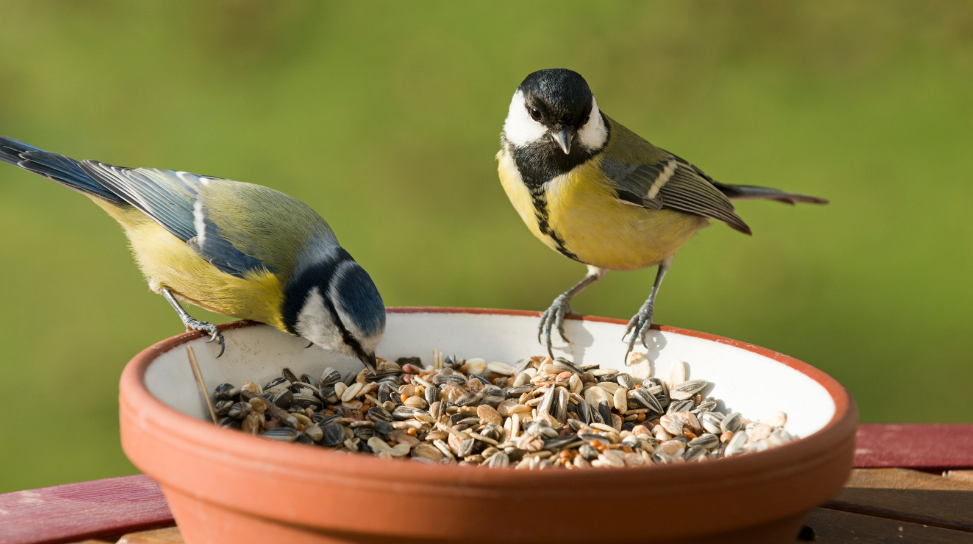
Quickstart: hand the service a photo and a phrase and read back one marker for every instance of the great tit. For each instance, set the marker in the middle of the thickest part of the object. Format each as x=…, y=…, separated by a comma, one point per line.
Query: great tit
x=233, y=248
x=596, y=192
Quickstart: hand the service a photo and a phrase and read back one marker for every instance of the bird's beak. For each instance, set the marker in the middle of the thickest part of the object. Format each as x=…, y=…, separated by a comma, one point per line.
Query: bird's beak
x=563, y=139
x=368, y=359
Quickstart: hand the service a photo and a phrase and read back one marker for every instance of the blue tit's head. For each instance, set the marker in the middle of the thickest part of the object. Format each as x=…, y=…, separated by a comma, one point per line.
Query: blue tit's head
x=332, y=302
x=554, y=111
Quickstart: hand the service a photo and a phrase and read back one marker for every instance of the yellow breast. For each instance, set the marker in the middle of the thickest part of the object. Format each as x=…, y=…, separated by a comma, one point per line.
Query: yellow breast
x=593, y=225
x=167, y=262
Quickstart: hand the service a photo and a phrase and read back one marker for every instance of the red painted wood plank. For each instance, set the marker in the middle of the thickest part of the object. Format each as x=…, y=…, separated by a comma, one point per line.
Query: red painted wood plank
x=72, y=512
x=917, y=446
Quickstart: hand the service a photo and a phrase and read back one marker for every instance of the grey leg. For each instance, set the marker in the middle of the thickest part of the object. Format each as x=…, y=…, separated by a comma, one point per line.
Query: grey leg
x=194, y=324
x=554, y=316
x=639, y=325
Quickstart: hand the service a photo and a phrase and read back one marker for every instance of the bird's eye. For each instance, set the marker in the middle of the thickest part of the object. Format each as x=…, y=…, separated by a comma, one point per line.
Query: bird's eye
x=535, y=113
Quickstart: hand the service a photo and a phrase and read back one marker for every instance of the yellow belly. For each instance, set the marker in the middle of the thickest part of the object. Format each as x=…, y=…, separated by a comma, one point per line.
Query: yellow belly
x=167, y=262
x=597, y=228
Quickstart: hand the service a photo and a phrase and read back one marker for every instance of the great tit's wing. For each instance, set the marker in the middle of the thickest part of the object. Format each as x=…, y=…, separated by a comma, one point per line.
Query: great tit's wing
x=650, y=177
x=174, y=201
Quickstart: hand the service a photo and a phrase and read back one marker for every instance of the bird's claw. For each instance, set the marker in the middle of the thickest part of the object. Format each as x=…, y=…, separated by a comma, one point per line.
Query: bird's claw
x=208, y=328
x=552, y=318
x=638, y=327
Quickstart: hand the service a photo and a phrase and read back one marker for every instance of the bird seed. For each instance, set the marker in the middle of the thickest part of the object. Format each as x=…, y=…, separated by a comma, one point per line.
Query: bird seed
x=537, y=413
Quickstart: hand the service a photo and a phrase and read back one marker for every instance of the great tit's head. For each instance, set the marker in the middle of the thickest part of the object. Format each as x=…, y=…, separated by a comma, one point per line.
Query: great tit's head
x=555, y=109
x=332, y=302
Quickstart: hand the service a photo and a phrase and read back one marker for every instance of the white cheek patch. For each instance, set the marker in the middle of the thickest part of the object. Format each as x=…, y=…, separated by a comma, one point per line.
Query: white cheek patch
x=519, y=128
x=315, y=323
x=594, y=133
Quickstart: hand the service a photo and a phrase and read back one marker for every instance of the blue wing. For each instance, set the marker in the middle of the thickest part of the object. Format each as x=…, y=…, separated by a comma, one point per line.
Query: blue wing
x=173, y=200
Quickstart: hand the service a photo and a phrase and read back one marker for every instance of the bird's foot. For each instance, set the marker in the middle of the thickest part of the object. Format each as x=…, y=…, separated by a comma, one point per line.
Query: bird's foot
x=207, y=328
x=638, y=327
x=552, y=318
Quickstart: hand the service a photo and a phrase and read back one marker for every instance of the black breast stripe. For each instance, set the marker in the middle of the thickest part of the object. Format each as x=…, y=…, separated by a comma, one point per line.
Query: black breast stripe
x=538, y=197
x=539, y=163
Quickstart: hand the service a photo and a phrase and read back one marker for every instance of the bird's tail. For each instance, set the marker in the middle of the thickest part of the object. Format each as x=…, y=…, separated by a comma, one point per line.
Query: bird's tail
x=742, y=192
x=55, y=167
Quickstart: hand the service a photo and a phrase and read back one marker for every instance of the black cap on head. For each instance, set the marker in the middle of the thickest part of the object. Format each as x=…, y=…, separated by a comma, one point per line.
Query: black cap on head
x=561, y=96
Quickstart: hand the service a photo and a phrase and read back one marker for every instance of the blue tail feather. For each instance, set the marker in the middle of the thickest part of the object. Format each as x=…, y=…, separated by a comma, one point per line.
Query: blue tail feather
x=53, y=166
x=11, y=149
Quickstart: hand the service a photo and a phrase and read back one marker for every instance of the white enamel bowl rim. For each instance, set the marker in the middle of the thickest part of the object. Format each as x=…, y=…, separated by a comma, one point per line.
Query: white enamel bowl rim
x=813, y=449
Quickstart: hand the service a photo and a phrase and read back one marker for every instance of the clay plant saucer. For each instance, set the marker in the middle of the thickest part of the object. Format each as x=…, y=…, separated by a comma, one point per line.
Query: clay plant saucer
x=226, y=486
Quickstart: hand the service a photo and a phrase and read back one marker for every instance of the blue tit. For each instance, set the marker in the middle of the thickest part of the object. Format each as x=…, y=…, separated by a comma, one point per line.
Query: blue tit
x=233, y=248
x=598, y=193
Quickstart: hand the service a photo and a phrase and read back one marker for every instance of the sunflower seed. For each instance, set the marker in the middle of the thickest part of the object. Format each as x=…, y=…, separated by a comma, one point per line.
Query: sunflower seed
x=334, y=434
x=432, y=393
x=546, y=401
x=307, y=401
x=571, y=367
x=225, y=391
x=222, y=407
x=708, y=441
x=288, y=375
x=644, y=397
x=497, y=460
x=277, y=383
x=732, y=422
x=625, y=380
x=694, y=453
x=283, y=398
x=705, y=406
x=377, y=413
x=239, y=410
x=686, y=390
x=736, y=444
x=403, y=413
x=563, y=442
x=561, y=405
x=680, y=406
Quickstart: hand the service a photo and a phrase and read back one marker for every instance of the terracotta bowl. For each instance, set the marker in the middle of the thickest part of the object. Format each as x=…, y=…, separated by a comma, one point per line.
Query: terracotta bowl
x=225, y=486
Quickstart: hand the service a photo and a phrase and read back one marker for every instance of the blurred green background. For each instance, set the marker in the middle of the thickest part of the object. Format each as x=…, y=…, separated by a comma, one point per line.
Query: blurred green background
x=384, y=117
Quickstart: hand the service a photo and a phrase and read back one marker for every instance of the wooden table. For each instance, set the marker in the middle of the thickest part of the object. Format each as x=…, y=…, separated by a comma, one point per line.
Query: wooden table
x=912, y=483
